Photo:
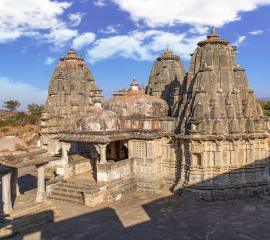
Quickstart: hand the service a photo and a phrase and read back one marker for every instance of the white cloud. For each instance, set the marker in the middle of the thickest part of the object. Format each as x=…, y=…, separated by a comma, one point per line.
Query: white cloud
x=256, y=32
x=239, y=40
x=110, y=29
x=23, y=92
x=59, y=37
x=42, y=20
x=142, y=45
x=100, y=3
x=83, y=40
x=49, y=60
x=199, y=29
x=194, y=12
x=75, y=18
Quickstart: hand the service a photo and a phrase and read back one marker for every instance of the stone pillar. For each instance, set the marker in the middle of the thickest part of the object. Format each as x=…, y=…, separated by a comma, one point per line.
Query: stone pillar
x=103, y=153
x=41, y=190
x=130, y=148
x=101, y=149
x=62, y=164
x=6, y=193
x=65, y=150
x=183, y=161
x=218, y=155
x=250, y=153
x=15, y=191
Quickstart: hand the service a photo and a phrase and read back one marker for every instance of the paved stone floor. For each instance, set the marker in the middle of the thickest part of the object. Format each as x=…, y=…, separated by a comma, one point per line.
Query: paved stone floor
x=159, y=216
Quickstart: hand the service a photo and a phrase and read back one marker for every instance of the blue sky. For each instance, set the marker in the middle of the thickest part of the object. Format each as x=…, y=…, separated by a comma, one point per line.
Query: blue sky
x=120, y=39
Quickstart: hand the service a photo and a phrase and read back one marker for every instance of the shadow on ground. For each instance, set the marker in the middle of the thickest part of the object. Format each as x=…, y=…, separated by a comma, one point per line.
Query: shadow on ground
x=170, y=218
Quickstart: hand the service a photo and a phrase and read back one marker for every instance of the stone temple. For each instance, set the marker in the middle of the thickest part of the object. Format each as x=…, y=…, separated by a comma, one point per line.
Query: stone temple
x=200, y=132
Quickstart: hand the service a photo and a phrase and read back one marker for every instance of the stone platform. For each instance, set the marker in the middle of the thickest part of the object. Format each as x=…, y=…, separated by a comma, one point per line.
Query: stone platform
x=80, y=189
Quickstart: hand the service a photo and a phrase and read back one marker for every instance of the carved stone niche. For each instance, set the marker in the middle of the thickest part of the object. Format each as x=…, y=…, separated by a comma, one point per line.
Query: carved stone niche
x=259, y=125
x=234, y=126
x=197, y=160
x=195, y=126
x=218, y=127
x=74, y=102
x=250, y=126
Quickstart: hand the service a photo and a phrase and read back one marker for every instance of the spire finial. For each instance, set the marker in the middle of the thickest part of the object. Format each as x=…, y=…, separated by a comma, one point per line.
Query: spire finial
x=134, y=85
x=71, y=52
x=213, y=30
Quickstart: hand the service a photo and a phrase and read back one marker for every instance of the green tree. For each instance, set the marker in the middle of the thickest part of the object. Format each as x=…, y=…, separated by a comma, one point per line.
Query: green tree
x=11, y=105
x=267, y=106
x=35, y=109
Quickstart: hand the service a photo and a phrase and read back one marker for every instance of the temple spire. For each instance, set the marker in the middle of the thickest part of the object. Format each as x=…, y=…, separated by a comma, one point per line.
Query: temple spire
x=213, y=30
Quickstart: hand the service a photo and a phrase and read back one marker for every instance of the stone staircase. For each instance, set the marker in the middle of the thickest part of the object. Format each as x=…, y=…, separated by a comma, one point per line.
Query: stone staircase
x=74, y=192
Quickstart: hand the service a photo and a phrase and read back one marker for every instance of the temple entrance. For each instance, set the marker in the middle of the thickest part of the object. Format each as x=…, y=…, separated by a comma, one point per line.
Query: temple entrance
x=116, y=151
x=83, y=157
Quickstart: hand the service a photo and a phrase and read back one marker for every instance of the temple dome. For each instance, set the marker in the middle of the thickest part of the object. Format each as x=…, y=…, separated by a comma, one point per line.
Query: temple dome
x=99, y=119
x=137, y=104
x=213, y=38
x=168, y=55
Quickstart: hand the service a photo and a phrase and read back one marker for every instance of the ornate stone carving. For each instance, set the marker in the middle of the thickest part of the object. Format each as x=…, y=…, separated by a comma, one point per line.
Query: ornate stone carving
x=166, y=78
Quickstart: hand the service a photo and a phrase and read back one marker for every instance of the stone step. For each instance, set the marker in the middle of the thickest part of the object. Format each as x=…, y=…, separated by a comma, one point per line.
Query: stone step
x=78, y=183
x=67, y=192
x=74, y=189
x=77, y=187
x=66, y=198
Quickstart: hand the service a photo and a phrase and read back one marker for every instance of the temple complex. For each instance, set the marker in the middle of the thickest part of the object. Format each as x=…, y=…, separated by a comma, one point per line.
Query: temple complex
x=201, y=132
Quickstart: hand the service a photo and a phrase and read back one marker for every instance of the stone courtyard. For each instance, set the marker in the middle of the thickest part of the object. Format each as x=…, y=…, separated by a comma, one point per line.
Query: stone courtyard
x=156, y=216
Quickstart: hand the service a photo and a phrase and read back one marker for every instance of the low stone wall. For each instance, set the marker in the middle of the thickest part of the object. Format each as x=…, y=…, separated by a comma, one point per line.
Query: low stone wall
x=77, y=168
x=116, y=189
x=93, y=199
x=128, y=176
x=112, y=171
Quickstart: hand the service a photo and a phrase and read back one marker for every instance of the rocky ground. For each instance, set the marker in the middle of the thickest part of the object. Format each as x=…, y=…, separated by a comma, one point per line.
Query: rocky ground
x=158, y=216
x=28, y=133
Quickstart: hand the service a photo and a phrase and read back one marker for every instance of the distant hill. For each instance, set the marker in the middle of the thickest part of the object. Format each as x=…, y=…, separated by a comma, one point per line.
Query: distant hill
x=263, y=99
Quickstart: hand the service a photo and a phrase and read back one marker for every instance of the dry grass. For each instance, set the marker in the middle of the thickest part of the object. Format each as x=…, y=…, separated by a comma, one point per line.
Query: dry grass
x=28, y=133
